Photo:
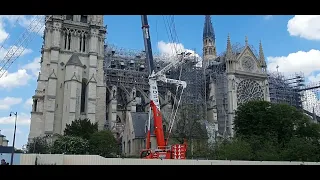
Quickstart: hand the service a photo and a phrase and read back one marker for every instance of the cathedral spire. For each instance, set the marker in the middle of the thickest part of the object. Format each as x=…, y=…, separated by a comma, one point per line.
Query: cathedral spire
x=261, y=55
x=208, y=31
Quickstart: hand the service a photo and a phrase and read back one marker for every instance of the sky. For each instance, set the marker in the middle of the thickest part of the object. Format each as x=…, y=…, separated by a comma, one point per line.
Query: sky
x=290, y=42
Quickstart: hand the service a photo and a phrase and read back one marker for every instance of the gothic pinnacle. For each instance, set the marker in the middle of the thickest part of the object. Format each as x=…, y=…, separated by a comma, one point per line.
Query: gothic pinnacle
x=246, y=40
x=229, y=48
x=261, y=54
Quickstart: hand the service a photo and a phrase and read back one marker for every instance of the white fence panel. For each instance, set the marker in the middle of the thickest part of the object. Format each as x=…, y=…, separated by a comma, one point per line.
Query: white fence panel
x=60, y=159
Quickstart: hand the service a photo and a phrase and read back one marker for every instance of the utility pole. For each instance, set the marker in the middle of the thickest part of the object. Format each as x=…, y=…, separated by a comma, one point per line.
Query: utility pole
x=14, y=134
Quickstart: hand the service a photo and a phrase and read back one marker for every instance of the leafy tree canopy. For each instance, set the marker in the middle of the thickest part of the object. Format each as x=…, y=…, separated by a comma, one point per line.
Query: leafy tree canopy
x=271, y=121
x=268, y=132
x=81, y=128
x=103, y=143
x=70, y=145
x=188, y=124
x=235, y=150
x=38, y=145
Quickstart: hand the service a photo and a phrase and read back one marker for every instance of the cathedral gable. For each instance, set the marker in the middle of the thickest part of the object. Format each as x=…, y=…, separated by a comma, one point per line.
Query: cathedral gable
x=247, y=61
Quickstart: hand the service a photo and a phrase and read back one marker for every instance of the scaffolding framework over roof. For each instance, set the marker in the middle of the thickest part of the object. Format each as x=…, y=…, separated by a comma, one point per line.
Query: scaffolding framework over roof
x=286, y=89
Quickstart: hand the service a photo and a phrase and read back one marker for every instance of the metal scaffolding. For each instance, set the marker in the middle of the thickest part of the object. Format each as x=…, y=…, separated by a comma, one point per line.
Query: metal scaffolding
x=126, y=69
x=310, y=100
x=286, y=89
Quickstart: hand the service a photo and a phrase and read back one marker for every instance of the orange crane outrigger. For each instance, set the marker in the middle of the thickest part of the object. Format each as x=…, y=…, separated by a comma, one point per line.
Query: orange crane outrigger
x=163, y=150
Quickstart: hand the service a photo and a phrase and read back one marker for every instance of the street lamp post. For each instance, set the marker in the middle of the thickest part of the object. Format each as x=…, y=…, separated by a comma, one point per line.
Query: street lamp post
x=14, y=134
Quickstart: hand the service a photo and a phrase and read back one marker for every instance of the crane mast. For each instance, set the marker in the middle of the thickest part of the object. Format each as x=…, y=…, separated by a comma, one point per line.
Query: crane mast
x=147, y=43
x=153, y=91
x=162, y=144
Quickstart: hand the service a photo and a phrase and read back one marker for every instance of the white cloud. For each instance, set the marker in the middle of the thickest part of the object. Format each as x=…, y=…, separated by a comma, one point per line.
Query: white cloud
x=314, y=78
x=34, y=66
x=3, y=33
x=301, y=61
x=23, y=119
x=267, y=17
x=15, y=49
x=168, y=51
x=21, y=77
x=305, y=26
x=16, y=79
x=10, y=131
x=7, y=102
x=23, y=21
x=28, y=103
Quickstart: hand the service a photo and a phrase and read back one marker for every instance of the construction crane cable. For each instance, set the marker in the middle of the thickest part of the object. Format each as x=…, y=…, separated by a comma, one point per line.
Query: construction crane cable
x=175, y=108
x=167, y=27
x=15, y=48
x=174, y=51
x=23, y=49
x=23, y=41
x=4, y=42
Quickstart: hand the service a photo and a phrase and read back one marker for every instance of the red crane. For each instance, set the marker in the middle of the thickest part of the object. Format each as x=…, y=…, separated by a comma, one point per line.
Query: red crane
x=163, y=150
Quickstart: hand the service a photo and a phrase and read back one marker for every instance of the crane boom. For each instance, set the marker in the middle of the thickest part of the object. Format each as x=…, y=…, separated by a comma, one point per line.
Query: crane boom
x=147, y=43
x=161, y=151
x=149, y=59
x=22, y=43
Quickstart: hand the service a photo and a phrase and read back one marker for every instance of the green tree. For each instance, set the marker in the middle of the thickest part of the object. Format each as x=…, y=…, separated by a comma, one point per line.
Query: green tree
x=277, y=132
x=264, y=149
x=104, y=144
x=237, y=149
x=38, y=145
x=268, y=120
x=188, y=124
x=70, y=145
x=81, y=128
x=300, y=149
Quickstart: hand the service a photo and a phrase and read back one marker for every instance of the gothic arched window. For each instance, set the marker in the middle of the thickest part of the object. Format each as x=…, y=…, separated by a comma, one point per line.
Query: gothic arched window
x=84, y=18
x=69, y=17
x=83, y=94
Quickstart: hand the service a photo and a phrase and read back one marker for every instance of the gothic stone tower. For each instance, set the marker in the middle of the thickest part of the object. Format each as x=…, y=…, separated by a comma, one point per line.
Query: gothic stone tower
x=209, y=42
x=71, y=80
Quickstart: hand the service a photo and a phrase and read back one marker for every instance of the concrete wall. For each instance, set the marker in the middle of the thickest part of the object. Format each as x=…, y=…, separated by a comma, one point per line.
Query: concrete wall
x=59, y=159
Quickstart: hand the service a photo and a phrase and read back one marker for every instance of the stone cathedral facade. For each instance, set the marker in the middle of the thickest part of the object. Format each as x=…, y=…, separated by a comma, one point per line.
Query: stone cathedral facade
x=70, y=83
x=236, y=76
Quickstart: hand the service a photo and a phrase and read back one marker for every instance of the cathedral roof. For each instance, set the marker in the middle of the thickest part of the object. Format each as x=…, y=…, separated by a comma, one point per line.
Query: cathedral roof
x=139, y=120
x=74, y=60
x=208, y=31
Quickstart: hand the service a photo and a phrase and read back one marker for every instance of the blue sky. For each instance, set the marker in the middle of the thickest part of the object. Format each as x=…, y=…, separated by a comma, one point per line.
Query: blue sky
x=288, y=41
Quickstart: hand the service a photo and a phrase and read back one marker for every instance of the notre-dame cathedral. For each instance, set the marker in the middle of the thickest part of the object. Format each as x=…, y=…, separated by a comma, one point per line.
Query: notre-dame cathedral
x=82, y=77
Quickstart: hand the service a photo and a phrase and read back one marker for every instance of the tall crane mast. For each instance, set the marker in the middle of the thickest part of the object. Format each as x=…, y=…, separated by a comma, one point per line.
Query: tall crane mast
x=149, y=59
x=147, y=43
x=162, y=143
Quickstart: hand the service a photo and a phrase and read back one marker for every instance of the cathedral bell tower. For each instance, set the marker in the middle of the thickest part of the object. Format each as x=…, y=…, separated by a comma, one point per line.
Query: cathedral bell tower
x=209, y=42
x=71, y=79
